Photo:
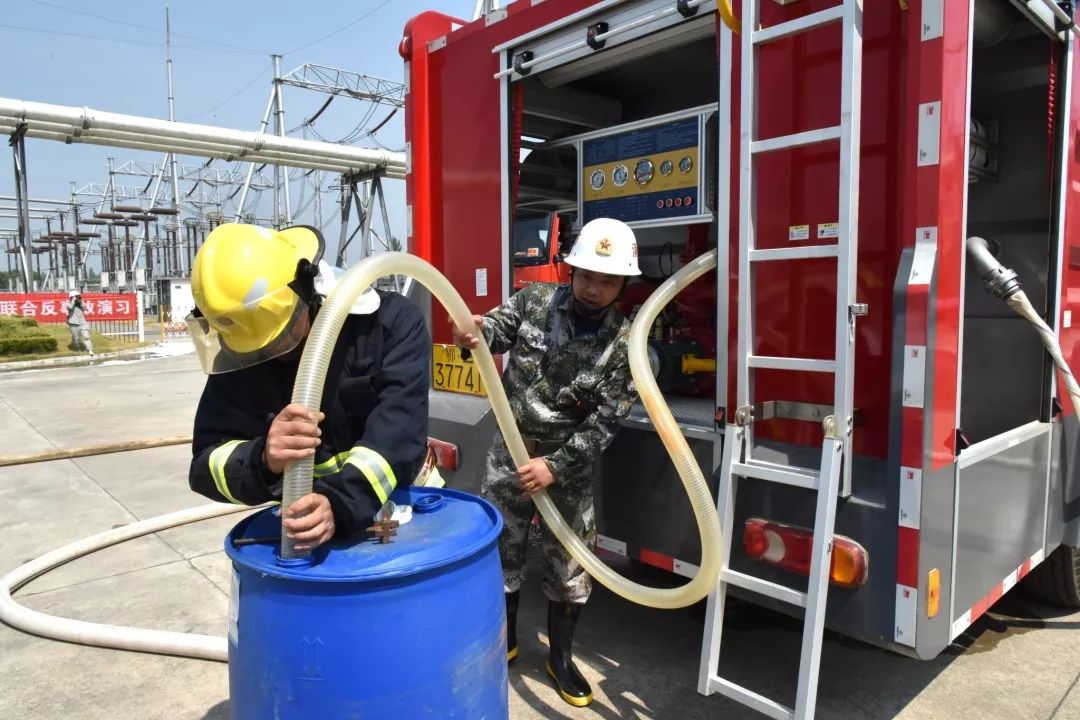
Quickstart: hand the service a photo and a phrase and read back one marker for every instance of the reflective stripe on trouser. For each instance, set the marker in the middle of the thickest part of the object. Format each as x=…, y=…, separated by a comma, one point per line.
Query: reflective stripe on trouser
x=218, y=458
x=371, y=465
x=429, y=478
x=564, y=578
x=428, y=475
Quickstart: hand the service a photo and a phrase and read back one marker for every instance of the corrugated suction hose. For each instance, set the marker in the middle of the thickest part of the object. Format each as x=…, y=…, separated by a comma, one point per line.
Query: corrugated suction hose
x=312, y=375
x=308, y=392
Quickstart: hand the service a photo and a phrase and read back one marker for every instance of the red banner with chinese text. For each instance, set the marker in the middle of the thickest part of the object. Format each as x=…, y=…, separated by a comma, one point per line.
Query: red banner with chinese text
x=52, y=307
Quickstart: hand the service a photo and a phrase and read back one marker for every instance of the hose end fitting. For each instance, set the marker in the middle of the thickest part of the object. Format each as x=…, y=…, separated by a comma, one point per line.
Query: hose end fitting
x=1001, y=281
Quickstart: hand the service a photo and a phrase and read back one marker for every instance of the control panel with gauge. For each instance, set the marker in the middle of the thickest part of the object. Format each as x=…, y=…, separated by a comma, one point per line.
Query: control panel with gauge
x=645, y=174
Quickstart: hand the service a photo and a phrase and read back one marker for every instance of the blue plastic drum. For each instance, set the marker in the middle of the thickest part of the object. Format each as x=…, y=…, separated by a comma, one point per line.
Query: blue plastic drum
x=415, y=628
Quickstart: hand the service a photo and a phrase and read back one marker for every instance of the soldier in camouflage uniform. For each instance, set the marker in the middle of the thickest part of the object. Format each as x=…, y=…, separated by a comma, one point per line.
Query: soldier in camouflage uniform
x=76, y=322
x=568, y=382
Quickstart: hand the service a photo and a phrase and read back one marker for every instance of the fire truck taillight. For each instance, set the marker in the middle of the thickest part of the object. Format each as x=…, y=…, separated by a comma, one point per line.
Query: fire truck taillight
x=790, y=548
x=446, y=454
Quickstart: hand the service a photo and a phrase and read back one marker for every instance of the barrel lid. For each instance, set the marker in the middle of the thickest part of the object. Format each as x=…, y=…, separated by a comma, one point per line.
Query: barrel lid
x=461, y=526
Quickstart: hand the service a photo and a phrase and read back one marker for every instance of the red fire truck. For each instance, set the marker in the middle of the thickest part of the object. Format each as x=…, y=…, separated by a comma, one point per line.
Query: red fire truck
x=539, y=248
x=890, y=444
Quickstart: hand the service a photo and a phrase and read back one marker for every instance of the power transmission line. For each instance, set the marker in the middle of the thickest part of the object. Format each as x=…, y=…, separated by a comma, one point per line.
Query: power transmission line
x=341, y=29
x=87, y=36
x=230, y=98
x=215, y=42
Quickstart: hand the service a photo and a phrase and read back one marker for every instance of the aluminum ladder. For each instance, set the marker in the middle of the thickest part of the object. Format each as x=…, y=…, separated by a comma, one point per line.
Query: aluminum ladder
x=832, y=478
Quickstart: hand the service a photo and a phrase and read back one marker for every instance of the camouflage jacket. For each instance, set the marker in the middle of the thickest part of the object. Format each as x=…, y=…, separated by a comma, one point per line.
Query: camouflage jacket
x=562, y=388
x=75, y=315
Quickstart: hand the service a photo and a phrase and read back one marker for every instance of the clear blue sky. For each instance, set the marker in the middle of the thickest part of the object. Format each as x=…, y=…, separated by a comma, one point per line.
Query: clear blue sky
x=51, y=53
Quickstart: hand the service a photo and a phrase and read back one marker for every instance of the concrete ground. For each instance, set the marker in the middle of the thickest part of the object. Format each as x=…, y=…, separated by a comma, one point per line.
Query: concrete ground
x=1020, y=661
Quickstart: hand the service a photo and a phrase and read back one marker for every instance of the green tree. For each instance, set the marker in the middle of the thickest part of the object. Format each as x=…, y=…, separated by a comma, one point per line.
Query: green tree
x=9, y=281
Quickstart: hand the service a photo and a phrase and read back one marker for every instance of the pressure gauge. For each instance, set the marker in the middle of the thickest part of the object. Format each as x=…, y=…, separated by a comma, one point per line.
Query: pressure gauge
x=685, y=164
x=620, y=175
x=643, y=172
x=596, y=180
x=666, y=167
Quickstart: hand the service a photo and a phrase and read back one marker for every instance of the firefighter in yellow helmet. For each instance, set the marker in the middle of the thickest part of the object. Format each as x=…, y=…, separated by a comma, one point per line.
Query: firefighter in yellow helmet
x=569, y=385
x=256, y=294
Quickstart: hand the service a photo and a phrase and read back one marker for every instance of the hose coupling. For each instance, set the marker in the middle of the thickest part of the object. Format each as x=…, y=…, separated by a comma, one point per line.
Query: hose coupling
x=1001, y=281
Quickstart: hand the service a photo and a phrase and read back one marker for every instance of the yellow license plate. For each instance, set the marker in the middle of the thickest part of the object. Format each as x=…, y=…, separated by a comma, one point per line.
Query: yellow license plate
x=449, y=371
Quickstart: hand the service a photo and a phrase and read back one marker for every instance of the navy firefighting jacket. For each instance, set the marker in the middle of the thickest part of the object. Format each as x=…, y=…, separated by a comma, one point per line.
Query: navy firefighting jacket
x=374, y=436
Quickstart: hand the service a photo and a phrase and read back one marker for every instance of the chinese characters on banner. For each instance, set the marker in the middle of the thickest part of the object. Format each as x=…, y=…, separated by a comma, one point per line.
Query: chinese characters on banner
x=52, y=307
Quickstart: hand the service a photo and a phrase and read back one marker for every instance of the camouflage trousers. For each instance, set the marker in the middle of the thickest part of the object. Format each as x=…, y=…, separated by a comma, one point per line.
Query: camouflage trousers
x=564, y=578
x=80, y=335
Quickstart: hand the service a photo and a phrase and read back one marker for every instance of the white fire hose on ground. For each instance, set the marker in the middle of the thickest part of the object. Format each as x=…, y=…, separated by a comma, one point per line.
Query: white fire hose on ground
x=298, y=478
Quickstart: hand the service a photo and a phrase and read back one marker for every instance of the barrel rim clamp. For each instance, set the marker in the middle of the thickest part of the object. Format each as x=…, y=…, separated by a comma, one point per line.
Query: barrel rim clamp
x=598, y=28
x=685, y=9
x=525, y=56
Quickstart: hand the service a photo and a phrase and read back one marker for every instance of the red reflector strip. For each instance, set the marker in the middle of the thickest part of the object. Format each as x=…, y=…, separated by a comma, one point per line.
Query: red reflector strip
x=912, y=422
x=657, y=560
x=995, y=593
x=907, y=557
x=648, y=557
x=911, y=441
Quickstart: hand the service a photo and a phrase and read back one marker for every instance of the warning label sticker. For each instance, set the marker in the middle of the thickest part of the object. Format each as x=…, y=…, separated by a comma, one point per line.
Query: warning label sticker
x=828, y=230
x=798, y=232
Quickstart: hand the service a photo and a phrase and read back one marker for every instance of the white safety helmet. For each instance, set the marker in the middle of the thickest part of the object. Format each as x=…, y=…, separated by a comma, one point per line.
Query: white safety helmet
x=73, y=294
x=605, y=245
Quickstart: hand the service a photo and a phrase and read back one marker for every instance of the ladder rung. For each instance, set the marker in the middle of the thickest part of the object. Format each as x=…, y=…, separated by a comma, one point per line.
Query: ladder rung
x=800, y=252
x=786, y=474
x=764, y=587
x=751, y=699
x=793, y=27
x=789, y=363
x=785, y=142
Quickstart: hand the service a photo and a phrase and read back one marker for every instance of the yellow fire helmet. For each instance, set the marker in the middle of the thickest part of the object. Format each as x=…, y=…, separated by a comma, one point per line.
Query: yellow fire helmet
x=252, y=288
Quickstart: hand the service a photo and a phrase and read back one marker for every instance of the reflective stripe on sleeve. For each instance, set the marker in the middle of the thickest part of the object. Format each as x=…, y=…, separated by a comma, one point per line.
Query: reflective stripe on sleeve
x=371, y=464
x=218, y=458
x=375, y=469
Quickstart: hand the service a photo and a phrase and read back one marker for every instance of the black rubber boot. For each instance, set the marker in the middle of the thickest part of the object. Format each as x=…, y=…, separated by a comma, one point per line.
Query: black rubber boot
x=511, y=625
x=562, y=621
